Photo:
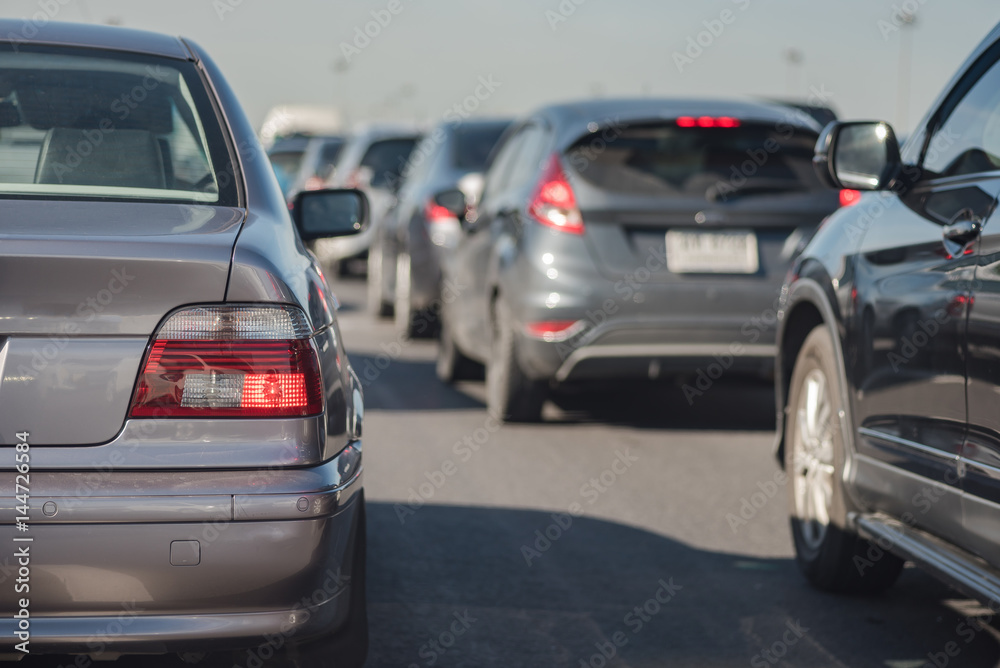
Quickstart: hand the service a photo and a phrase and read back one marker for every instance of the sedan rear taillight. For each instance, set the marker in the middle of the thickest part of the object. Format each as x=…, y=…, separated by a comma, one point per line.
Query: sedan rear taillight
x=231, y=361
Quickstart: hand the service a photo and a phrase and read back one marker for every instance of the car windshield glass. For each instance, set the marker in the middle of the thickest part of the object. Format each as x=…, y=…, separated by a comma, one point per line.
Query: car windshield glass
x=89, y=124
x=472, y=146
x=386, y=159
x=715, y=163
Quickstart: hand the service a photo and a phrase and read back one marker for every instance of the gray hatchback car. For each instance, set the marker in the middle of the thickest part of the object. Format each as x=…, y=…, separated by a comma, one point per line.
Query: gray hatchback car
x=625, y=239
x=182, y=463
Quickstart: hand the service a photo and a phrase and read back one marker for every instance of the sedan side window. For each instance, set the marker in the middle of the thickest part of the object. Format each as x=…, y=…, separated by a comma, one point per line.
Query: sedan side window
x=969, y=140
x=498, y=176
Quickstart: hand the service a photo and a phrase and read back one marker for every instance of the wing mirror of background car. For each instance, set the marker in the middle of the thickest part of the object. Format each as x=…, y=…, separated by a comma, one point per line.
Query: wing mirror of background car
x=320, y=214
x=454, y=202
x=858, y=156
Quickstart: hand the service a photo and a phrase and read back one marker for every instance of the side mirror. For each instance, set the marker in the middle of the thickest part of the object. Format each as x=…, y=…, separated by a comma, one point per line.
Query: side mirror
x=320, y=214
x=858, y=155
x=454, y=202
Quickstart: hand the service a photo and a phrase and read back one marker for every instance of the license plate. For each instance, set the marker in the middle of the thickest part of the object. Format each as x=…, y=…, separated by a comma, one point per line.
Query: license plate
x=724, y=252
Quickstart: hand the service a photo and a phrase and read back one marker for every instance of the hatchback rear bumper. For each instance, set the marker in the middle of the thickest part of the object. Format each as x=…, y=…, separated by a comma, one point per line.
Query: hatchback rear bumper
x=184, y=561
x=649, y=349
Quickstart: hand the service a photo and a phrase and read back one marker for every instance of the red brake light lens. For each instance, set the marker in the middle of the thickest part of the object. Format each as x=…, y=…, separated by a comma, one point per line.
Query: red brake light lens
x=554, y=330
x=231, y=362
x=554, y=203
x=849, y=197
x=435, y=213
x=708, y=122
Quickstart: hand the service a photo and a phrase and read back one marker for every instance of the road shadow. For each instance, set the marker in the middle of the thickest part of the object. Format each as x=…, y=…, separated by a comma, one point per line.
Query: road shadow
x=392, y=384
x=451, y=586
x=731, y=405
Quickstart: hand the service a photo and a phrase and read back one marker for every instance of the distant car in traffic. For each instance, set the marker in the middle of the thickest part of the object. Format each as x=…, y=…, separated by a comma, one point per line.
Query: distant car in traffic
x=629, y=239
x=304, y=163
x=404, y=272
x=889, y=352
x=181, y=424
x=372, y=161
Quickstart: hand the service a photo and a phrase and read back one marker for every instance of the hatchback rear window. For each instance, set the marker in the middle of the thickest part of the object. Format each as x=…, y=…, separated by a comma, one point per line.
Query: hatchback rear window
x=473, y=145
x=86, y=124
x=717, y=163
x=387, y=159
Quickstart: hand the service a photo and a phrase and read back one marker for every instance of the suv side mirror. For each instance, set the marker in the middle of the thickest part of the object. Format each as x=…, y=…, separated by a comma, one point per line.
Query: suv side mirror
x=320, y=214
x=858, y=155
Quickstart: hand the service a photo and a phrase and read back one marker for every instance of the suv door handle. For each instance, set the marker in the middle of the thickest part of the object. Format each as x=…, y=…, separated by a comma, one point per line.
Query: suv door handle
x=962, y=231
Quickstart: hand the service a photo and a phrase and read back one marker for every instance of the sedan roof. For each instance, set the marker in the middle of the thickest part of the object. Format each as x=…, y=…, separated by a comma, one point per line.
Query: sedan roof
x=115, y=38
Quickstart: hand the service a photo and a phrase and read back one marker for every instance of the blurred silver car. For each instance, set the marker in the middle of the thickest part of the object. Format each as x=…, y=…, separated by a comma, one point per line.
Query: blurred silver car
x=372, y=161
x=180, y=424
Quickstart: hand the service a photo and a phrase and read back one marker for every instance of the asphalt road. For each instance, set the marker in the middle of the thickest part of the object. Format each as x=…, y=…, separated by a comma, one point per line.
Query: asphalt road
x=549, y=545
x=629, y=530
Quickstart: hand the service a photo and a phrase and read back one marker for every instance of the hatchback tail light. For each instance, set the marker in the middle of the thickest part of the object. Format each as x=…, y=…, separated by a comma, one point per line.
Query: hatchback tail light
x=554, y=203
x=231, y=361
x=554, y=331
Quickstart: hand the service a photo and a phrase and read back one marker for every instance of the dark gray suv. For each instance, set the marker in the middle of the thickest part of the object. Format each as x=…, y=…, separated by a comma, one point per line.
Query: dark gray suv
x=629, y=239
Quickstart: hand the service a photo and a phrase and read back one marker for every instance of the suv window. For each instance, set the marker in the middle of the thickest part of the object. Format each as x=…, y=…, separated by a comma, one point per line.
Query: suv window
x=84, y=124
x=969, y=140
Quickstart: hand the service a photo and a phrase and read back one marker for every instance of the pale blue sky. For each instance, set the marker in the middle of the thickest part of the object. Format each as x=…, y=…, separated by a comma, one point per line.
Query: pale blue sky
x=431, y=54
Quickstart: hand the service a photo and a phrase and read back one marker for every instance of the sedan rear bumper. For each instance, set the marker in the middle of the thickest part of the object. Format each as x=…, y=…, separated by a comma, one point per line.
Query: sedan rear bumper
x=156, y=563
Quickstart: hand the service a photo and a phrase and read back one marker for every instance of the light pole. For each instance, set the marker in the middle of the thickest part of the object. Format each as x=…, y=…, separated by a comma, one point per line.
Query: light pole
x=794, y=57
x=907, y=21
x=342, y=68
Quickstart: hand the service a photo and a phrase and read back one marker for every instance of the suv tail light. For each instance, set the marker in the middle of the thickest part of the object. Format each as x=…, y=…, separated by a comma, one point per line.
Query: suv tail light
x=554, y=203
x=231, y=361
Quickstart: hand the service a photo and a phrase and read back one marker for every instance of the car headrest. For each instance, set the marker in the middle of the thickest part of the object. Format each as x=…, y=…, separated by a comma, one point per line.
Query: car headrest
x=124, y=158
x=9, y=116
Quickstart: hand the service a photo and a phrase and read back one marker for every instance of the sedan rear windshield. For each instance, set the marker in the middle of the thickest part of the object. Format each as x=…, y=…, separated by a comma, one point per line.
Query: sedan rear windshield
x=87, y=124
x=473, y=145
x=387, y=159
x=717, y=163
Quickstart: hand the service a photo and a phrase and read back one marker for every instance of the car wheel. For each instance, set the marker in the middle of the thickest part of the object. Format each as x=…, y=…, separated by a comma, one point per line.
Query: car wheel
x=452, y=365
x=377, y=304
x=411, y=323
x=510, y=394
x=832, y=557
